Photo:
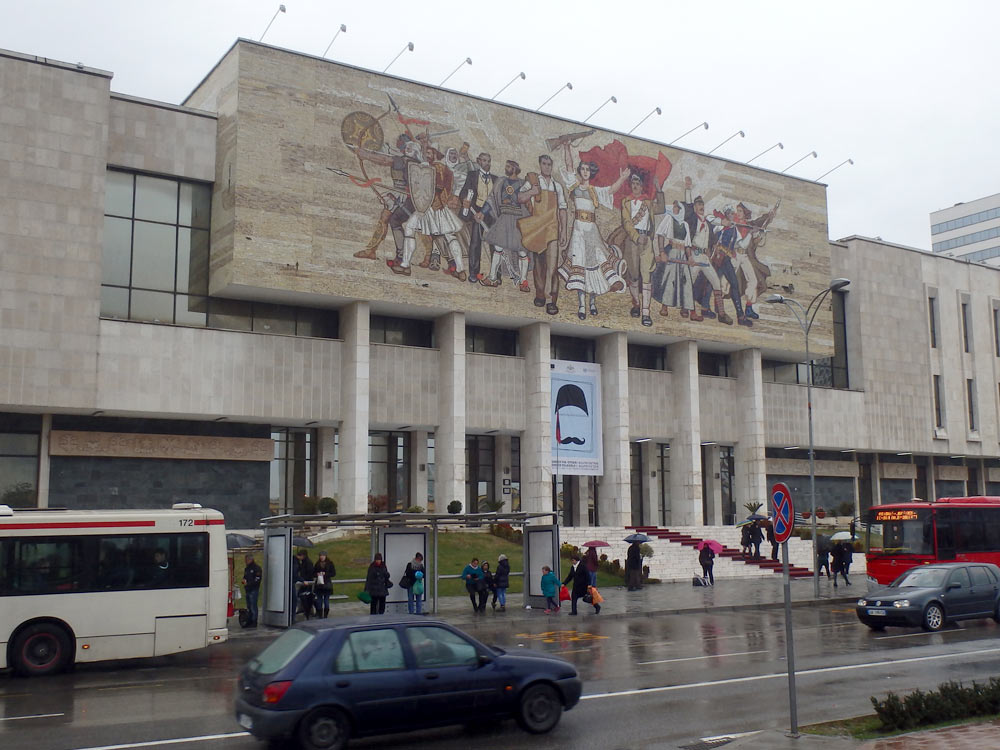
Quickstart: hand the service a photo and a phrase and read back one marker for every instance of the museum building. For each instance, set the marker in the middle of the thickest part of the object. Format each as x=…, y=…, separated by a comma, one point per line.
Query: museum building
x=314, y=281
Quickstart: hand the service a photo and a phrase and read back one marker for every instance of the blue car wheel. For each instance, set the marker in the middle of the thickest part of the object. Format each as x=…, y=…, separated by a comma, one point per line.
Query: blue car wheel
x=325, y=729
x=539, y=709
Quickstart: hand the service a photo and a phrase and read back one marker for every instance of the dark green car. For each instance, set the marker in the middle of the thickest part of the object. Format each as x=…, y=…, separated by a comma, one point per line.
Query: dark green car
x=933, y=595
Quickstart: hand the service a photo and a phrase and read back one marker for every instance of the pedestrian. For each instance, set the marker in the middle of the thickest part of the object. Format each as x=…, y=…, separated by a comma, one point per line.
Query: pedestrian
x=633, y=567
x=502, y=582
x=491, y=586
x=325, y=571
x=475, y=584
x=839, y=568
x=846, y=558
x=251, y=585
x=579, y=577
x=550, y=590
x=414, y=593
x=756, y=537
x=303, y=576
x=377, y=585
x=823, y=560
x=772, y=540
x=591, y=561
x=745, y=541
x=707, y=559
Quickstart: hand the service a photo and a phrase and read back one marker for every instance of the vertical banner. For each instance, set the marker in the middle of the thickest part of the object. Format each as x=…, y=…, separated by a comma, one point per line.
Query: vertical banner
x=577, y=446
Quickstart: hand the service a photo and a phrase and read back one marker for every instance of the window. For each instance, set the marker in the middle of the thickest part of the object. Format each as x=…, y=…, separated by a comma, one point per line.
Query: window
x=980, y=576
x=573, y=349
x=970, y=396
x=293, y=470
x=712, y=363
x=480, y=470
x=388, y=471
x=73, y=564
x=965, y=325
x=280, y=653
x=647, y=357
x=932, y=319
x=938, y=414
x=383, y=329
x=838, y=363
x=438, y=647
x=966, y=239
x=370, y=651
x=964, y=221
x=960, y=576
x=491, y=341
x=19, y=469
x=996, y=331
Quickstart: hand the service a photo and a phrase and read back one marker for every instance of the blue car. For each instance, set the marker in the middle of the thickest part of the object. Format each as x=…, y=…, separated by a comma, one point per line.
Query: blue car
x=325, y=681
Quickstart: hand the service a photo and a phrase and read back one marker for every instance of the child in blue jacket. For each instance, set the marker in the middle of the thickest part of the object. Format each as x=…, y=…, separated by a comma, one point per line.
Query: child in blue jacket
x=550, y=589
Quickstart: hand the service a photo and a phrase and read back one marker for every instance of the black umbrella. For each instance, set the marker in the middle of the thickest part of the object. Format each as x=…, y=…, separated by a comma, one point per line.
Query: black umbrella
x=239, y=541
x=302, y=541
x=641, y=538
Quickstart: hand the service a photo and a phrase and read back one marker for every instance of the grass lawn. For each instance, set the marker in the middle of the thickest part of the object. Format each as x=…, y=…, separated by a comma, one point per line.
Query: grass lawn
x=869, y=727
x=352, y=556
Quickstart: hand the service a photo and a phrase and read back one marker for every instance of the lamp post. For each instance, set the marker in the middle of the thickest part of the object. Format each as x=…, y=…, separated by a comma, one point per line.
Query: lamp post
x=610, y=99
x=805, y=317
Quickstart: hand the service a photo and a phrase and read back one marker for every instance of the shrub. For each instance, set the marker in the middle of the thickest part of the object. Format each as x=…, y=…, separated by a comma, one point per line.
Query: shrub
x=645, y=550
x=327, y=505
x=493, y=506
x=310, y=505
x=753, y=506
x=951, y=701
x=378, y=503
x=415, y=509
x=846, y=508
x=455, y=507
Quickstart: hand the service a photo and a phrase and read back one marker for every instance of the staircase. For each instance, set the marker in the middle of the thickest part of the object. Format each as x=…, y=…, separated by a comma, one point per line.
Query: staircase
x=730, y=553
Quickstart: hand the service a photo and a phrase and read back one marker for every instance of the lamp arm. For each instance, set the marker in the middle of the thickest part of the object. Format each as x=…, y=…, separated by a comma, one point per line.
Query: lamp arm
x=814, y=306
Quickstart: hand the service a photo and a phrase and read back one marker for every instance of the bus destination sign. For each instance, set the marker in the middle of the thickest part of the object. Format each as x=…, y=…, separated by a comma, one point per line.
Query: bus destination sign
x=897, y=514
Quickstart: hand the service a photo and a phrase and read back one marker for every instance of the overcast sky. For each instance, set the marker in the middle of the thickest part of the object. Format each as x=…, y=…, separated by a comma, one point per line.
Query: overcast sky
x=908, y=90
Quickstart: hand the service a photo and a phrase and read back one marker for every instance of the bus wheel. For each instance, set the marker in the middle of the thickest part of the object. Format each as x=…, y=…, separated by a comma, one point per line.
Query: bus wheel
x=933, y=617
x=40, y=650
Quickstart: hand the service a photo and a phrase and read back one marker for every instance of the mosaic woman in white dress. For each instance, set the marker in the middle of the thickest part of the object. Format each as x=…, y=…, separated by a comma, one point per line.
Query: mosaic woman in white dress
x=590, y=267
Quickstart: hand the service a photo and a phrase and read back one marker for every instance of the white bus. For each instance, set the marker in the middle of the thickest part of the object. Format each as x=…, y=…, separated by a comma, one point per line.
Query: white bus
x=81, y=586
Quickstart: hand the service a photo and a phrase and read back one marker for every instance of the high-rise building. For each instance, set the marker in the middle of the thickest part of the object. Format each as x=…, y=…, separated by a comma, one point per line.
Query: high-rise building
x=969, y=230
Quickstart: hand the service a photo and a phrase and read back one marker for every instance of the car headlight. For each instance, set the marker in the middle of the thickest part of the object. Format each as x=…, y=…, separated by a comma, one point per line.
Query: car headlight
x=900, y=603
x=862, y=602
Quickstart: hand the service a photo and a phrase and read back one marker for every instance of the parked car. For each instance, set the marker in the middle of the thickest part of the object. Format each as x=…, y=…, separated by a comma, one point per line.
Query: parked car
x=325, y=681
x=933, y=595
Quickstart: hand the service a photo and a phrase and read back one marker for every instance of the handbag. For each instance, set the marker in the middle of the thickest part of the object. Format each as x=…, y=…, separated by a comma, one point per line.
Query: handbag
x=480, y=585
x=365, y=597
x=418, y=588
x=564, y=593
x=588, y=599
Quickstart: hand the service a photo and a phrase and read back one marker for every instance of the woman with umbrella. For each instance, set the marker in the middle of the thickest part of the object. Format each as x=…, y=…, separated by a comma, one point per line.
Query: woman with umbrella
x=706, y=556
x=633, y=561
x=591, y=560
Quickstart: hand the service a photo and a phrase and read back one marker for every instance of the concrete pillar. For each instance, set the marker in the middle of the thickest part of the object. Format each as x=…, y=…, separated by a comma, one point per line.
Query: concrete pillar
x=615, y=491
x=685, y=447
x=326, y=474
x=501, y=470
x=584, y=498
x=354, y=394
x=449, y=436
x=536, y=441
x=712, y=486
x=44, y=462
x=650, y=485
x=418, y=468
x=750, y=482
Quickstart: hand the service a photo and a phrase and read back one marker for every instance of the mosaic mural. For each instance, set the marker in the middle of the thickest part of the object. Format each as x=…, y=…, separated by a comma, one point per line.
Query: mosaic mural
x=408, y=194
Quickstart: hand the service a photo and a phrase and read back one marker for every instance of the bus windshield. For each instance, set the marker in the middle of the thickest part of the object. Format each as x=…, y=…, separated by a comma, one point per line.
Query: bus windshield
x=900, y=531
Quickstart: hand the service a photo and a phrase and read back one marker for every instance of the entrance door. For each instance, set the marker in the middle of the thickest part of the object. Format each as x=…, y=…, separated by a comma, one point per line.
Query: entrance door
x=635, y=483
x=480, y=460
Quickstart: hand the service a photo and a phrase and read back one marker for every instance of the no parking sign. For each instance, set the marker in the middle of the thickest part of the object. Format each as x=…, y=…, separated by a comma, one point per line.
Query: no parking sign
x=784, y=512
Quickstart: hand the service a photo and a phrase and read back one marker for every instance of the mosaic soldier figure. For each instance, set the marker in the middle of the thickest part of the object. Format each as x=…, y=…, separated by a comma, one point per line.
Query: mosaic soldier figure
x=637, y=221
x=544, y=232
x=506, y=202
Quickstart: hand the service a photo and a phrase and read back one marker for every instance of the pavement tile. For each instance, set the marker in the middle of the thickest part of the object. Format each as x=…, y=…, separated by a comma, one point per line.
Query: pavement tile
x=983, y=736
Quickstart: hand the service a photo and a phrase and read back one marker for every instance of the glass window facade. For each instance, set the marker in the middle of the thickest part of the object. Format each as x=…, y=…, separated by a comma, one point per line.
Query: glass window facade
x=965, y=221
x=932, y=320
x=480, y=472
x=967, y=239
x=635, y=483
x=388, y=471
x=647, y=357
x=663, y=456
x=19, y=467
x=293, y=469
x=573, y=349
x=482, y=340
x=383, y=329
x=713, y=363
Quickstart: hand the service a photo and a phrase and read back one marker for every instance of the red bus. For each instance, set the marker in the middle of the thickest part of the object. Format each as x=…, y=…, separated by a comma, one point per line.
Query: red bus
x=952, y=529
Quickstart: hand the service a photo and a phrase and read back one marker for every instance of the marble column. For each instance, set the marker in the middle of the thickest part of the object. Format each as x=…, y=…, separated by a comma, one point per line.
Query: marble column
x=536, y=441
x=685, y=446
x=354, y=394
x=449, y=435
x=615, y=494
x=44, y=462
x=326, y=474
x=750, y=482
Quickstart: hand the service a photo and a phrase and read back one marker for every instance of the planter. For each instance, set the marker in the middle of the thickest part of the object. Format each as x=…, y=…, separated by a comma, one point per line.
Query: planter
x=820, y=513
x=806, y=514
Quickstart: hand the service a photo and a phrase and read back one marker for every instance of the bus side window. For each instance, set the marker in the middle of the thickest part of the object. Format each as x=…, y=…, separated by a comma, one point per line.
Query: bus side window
x=945, y=537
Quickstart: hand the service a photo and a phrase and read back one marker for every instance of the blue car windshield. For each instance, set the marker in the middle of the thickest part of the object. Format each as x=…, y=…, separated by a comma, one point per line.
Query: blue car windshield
x=281, y=652
x=920, y=578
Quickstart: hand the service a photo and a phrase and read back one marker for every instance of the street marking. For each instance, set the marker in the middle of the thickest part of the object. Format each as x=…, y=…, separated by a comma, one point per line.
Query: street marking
x=798, y=672
x=708, y=656
x=134, y=686
x=735, y=736
x=177, y=741
x=910, y=635
x=562, y=636
x=35, y=716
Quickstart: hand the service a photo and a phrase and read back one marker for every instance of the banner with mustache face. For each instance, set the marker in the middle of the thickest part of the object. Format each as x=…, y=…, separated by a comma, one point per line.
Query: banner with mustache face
x=577, y=446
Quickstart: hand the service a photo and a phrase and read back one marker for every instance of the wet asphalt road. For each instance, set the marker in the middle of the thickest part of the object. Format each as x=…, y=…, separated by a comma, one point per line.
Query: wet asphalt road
x=700, y=675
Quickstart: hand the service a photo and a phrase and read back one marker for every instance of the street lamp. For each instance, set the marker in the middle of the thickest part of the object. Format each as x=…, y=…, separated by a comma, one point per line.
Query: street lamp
x=805, y=316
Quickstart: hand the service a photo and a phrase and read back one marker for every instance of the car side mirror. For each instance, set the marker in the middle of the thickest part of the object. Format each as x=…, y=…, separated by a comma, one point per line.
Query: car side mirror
x=954, y=585
x=483, y=659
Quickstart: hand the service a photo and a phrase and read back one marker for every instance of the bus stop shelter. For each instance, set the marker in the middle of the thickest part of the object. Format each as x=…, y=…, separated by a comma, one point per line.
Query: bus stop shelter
x=399, y=536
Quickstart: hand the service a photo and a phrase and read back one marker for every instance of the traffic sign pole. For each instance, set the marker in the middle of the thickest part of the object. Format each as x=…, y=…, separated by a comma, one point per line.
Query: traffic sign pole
x=789, y=644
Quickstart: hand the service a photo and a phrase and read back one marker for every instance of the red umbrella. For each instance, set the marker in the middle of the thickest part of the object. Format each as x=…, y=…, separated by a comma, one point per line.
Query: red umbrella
x=712, y=544
x=596, y=543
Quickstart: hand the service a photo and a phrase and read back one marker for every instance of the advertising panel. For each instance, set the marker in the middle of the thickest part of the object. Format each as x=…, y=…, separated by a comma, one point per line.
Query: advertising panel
x=577, y=446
